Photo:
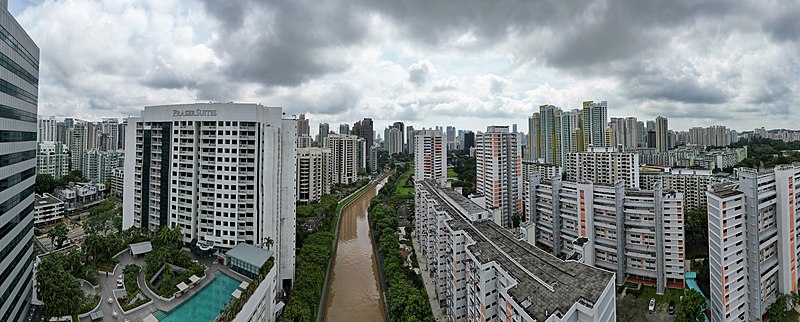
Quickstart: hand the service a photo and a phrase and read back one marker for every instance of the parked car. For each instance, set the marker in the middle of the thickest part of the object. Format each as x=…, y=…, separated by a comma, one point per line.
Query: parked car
x=671, y=307
x=652, y=306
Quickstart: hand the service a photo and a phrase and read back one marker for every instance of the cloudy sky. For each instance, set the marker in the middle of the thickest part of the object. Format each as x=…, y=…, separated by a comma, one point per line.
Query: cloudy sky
x=468, y=63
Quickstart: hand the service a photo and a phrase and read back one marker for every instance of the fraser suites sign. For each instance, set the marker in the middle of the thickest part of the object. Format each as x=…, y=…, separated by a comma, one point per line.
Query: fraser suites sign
x=193, y=113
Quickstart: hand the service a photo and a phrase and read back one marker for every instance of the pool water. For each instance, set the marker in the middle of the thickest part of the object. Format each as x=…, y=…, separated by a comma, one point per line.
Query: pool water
x=205, y=305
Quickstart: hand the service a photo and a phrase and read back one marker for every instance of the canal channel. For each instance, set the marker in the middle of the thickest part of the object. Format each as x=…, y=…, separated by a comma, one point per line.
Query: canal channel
x=354, y=293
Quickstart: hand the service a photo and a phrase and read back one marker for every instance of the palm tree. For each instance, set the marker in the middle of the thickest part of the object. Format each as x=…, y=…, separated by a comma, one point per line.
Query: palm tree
x=268, y=242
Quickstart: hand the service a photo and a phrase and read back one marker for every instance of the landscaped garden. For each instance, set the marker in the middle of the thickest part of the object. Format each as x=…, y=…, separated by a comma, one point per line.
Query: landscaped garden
x=167, y=266
x=59, y=286
x=134, y=296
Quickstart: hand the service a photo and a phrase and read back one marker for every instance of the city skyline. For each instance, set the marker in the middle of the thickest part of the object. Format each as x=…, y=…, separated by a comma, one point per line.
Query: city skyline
x=484, y=64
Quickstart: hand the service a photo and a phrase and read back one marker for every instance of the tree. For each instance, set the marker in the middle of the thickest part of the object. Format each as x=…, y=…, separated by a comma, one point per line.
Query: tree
x=58, y=289
x=268, y=242
x=58, y=235
x=692, y=308
x=45, y=183
x=777, y=311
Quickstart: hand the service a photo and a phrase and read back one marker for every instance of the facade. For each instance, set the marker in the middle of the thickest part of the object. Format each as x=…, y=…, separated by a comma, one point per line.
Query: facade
x=662, y=131
x=430, y=156
x=117, y=181
x=313, y=173
x=109, y=134
x=693, y=183
x=481, y=272
x=753, y=247
x=363, y=129
x=222, y=172
x=393, y=140
x=499, y=171
x=324, y=131
x=47, y=210
x=603, y=166
x=18, y=113
x=52, y=158
x=638, y=234
x=78, y=143
x=594, y=120
x=302, y=126
x=344, y=158
x=48, y=129
x=98, y=165
x=410, y=134
x=695, y=157
x=344, y=128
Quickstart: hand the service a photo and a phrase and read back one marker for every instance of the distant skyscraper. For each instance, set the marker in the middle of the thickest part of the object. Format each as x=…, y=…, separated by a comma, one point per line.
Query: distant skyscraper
x=393, y=140
x=499, y=171
x=344, y=128
x=469, y=140
x=313, y=173
x=595, y=121
x=410, y=139
x=451, y=137
x=534, y=131
x=78, y=144
x=121, y=133
x=430, y=156
x=52, y=159
x=20, y=91
x=110, y=127
x=48, y=129
x=662, y=130
x=363, y=129
x=549, y=137
x=302, y=126
x=324, y=130
x=632, y=134
x=402, y=127
x=344, y=155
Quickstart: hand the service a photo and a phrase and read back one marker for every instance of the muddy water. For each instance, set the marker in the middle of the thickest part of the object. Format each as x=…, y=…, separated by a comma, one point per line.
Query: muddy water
x=354, y=294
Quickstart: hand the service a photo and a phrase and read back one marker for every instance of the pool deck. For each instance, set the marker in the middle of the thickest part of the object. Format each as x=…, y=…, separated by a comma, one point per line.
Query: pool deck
x=108, y=284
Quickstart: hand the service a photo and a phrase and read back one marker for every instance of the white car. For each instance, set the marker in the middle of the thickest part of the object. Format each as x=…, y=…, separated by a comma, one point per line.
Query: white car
x=652, y=306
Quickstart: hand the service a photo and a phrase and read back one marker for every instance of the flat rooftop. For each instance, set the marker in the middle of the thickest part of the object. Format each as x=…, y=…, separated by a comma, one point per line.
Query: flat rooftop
x=724, y=189
x=46, y=200
x=544, y=283
x=462, y=201
x=250, y=254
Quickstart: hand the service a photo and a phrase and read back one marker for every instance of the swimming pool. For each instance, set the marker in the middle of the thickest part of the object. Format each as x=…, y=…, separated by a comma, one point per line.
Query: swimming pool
x=205, y=305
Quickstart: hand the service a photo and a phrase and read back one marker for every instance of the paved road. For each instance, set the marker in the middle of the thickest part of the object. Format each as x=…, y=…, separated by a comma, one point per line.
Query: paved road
x=423, y=268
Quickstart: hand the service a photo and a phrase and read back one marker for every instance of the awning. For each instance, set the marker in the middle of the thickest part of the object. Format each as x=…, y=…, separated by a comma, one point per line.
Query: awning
x=244, y=285
x=182, y=286
x=141, y=248
x=150, y=318
x=194, y=279
x=237, y=293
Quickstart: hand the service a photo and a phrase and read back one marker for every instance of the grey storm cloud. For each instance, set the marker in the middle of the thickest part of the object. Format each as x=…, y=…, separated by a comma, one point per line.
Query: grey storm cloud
x=285, y=43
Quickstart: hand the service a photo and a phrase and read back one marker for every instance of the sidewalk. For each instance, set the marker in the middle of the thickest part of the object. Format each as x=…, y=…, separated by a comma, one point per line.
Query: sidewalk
x=423, y=268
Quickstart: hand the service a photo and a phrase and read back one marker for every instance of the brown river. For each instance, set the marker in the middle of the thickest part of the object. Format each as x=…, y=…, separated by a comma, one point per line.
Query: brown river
x=354, y=293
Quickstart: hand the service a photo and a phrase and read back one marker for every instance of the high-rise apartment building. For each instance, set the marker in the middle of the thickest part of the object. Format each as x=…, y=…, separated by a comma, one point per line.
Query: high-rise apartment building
x=222, y=172
x=302, y=126
x=693, y=183
x=594, y=122
x=121, y=134
x=662, y=131
x=430, y=156
x=313, y=173
x=469, y=140
x=548, y=139
x=78, y=144
x=410, y=133
x=344, y=128
x=617, y=126
x=52, y=158
x=534, y=129
x=451, y=138
x=97, y=165
x=752, y=241
x=19, y=93
x=324, y=131
x=344, y=155
x=632, y=134
x=48, y=129
x=482, y=272
x=638, y=234
x=393, y=140
x=363, y=129
x=109, y=126
x=499, y=171
x=603, y=166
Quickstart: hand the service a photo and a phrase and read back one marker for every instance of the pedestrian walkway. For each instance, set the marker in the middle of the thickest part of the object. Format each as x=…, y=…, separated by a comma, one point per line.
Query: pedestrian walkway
x=438, y=313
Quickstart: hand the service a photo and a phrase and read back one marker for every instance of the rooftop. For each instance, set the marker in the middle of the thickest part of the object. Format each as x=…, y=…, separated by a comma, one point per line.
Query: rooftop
x=545, y=284
x=141, y=248
x=250, y=254
x=462, y=201
x=724, y=189
x=46, y=199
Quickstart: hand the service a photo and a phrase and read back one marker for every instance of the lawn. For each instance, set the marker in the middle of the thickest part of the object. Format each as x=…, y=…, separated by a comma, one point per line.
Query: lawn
x=451, y=174
x=402, y=190
x=633, y=306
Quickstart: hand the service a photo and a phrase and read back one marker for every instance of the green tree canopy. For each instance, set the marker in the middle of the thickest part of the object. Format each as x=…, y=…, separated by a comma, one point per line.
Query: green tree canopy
x=691, y=308
x=58, y=235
